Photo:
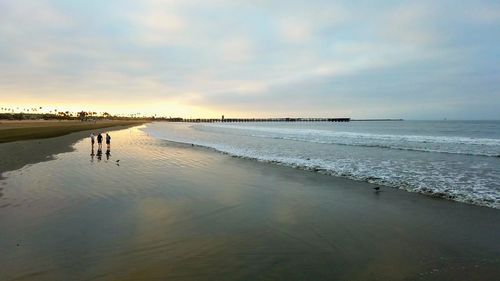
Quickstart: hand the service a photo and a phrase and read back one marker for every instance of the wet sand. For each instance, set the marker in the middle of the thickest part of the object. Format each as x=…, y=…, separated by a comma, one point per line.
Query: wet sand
x=173, y=212
x=17, y=154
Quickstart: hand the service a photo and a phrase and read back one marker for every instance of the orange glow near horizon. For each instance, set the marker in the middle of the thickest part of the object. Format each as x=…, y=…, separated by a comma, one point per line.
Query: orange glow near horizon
x=147, y=108
x=158, y=109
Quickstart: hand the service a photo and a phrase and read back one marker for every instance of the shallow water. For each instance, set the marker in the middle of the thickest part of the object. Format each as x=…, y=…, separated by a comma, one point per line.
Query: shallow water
x=458, y=160
x=175, y=212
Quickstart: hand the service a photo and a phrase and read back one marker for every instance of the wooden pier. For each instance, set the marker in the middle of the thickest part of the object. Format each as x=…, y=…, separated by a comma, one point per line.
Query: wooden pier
x=239, y=120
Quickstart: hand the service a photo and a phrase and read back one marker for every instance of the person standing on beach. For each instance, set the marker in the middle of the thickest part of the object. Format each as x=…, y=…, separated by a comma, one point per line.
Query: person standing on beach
x=92, y=139
x=108, y=140
x=99, y=140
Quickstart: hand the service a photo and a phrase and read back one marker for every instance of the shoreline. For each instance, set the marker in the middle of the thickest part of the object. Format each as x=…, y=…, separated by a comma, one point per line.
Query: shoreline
x=27, y=152
x=18, y=154
x=425, y=193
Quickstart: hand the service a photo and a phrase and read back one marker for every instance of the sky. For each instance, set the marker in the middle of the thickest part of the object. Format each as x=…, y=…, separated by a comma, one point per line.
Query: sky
x=199, y=58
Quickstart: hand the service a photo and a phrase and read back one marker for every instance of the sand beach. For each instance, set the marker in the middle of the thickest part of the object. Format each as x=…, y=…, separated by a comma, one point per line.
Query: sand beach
x=169, y=211
x=40, y=129
x=17, y=152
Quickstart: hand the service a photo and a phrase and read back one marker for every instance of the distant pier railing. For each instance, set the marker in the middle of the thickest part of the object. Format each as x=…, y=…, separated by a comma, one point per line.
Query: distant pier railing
x=236, y=120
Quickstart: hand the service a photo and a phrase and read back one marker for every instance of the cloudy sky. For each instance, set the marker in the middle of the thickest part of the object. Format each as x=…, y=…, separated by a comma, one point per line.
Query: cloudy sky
x=362, y=59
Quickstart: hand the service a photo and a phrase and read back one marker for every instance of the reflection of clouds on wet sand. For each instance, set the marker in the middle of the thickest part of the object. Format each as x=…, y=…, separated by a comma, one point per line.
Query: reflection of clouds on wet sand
x=172, y=211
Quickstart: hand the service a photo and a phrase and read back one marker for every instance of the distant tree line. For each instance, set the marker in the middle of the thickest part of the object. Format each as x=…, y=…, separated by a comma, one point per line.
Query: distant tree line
x=66, y=115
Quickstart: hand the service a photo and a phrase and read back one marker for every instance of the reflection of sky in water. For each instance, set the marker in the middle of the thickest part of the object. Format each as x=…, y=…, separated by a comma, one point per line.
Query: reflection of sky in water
x=172, y=211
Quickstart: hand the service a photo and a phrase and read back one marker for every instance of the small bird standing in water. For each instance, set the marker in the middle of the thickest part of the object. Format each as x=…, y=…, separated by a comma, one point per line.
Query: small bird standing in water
x=376, y=188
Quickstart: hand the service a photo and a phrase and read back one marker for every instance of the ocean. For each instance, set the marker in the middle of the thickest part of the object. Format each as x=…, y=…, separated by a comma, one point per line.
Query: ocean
x=457, y=160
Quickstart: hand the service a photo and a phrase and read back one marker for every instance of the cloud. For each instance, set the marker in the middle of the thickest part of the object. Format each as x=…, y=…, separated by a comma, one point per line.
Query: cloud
x=294, y=31
x=31, y=14
x=251, y=56
x=411, y=24
x=158, y=24
x=303, y=25
x=237, y=49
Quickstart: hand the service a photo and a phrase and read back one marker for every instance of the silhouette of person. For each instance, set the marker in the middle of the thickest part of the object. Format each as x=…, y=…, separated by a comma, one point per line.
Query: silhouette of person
x=99, y=140
x=108, y=140
x=92, y=139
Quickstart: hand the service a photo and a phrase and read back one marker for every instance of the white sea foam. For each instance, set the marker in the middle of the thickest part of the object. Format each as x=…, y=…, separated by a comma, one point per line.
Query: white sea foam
x=440, y=144
x=455, y=176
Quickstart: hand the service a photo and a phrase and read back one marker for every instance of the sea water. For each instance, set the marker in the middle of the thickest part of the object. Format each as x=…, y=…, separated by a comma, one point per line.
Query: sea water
x=458, y=160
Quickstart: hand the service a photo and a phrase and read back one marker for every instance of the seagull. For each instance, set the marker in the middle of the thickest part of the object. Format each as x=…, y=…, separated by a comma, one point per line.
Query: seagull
x=117, y=160
x=377, y=188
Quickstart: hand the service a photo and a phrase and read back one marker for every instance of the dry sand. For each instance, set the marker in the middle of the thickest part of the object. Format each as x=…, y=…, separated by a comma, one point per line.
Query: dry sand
x=38, y=129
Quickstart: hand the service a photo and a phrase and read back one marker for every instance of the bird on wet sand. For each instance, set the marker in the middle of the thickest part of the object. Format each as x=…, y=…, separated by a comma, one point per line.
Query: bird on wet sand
x=376, y=188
